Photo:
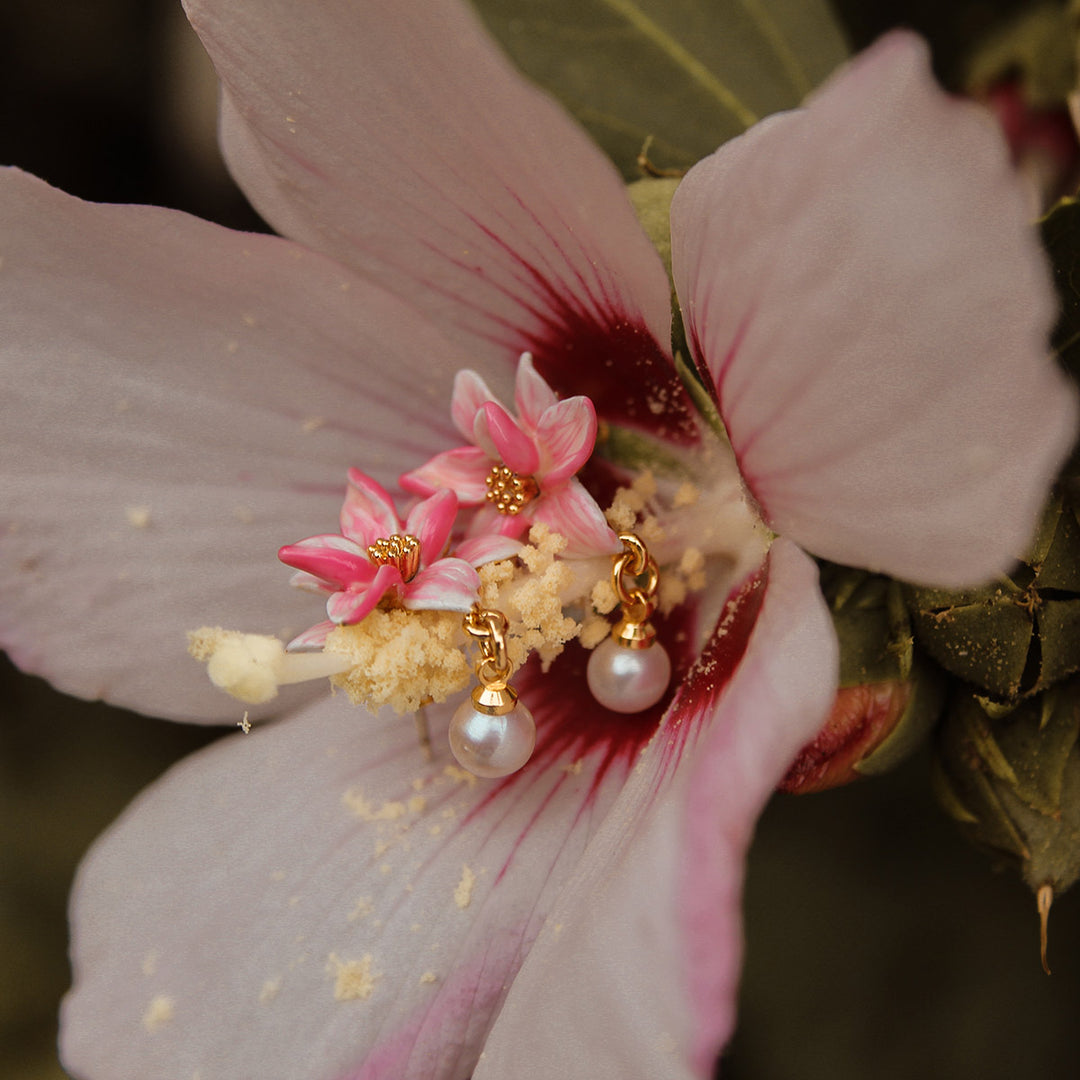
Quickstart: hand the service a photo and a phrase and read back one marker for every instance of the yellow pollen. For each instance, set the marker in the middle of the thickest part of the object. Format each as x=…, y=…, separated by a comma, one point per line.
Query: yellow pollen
x=509, y=492
x=400, y=551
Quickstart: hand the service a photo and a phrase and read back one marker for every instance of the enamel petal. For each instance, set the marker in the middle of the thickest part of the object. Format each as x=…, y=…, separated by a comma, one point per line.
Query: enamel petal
x=514, y=448
x=448, y=585
x=572, y=512
x=470, y=395
x=565, y=435
x=354, y=602
x=489, y=548
x=430, y=522
x=330, y=562
x=531, y=394
x=463, y=470
x=368, y=511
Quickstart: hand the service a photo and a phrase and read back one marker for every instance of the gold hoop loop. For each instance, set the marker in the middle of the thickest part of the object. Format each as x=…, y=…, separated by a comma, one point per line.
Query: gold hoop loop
x=635, y=562
x=489, y=628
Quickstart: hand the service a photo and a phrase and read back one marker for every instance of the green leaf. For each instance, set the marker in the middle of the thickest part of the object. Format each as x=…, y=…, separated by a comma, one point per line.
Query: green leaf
x=690, y=74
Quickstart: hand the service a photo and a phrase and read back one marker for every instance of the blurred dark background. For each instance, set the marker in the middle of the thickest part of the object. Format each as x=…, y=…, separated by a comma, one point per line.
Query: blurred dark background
x=878, y=944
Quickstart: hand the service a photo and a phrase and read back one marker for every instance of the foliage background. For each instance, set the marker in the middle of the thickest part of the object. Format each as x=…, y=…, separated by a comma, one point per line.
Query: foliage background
x=878, y=943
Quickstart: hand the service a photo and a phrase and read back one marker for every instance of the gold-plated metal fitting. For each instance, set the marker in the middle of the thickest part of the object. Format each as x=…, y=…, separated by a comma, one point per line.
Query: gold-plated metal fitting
x=493, y=696
x=400, y=551
x=635, y=578
x=494, y=701
x=509, y=492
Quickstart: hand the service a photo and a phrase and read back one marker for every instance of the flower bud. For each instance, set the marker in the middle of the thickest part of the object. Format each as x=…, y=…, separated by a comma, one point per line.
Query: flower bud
x=887, y=701
x=1011, y=779
x=872, y=727
x=1021, y=634
x=1026, y=74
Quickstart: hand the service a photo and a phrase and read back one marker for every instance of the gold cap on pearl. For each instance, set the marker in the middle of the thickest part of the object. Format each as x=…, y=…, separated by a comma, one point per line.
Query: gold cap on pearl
x=496, y=700
x=632, y=634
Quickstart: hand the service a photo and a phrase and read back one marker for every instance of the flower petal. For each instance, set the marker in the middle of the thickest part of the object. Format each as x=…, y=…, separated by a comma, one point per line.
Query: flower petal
x=566, y=435
x=351, y=604
x=470, y=395
x=334, y=559
x=654, y=906
x=368, y=512
x=396, y=138
x=448, y=585
x=862, y=283
x=490, y=548
x=430, y=522
x=531, y=394
x=462, y=470
x=179, y=400
x=222, y=926
x=487, y=521
x=572, y=512
x=313, y=638
x=513, y=447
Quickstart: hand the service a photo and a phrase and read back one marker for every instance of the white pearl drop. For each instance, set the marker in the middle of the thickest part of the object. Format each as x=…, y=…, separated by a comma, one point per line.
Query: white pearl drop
x=628, y=680
x=492, y=746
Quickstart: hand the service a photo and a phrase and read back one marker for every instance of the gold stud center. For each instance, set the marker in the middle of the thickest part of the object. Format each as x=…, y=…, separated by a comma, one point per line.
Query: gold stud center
x=400, y=551
x=509, y=492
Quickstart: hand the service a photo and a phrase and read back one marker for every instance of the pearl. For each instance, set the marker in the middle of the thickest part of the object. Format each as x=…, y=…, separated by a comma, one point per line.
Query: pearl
x=628, y=680
x=491, y=746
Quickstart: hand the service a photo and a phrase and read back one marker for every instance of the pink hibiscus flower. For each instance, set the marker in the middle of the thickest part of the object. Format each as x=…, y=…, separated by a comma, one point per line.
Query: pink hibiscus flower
x=315, y=900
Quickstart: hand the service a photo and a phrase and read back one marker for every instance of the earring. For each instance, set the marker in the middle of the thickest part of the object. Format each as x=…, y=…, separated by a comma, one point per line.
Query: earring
x=630, y=671
x=492, y=734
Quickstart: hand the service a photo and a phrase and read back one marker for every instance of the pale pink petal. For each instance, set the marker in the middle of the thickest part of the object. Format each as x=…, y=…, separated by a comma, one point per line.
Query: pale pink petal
x=484, y=549
x=531, y=394
x=462, y=470
x=565, y=436
x=179, y=401
x=864, y=286
x=330, y=562
x=638, y=963
x=487, y=521
x=470, y=395
x=572, y=512
x=481, y=436
x=448, y=585
x=368, y=512
x=430, y=522
x=312, y=639
x=309, y=583
x=352, y=604
x=213, y=922
x=409, y=149
x=512, y=446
